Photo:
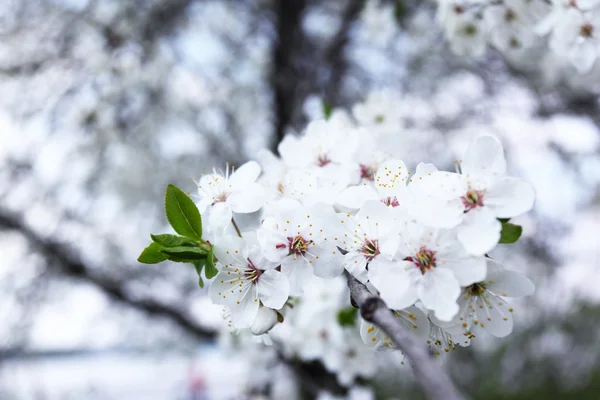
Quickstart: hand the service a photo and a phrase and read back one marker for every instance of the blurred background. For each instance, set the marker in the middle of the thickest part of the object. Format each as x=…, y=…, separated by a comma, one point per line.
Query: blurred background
x=105, y=102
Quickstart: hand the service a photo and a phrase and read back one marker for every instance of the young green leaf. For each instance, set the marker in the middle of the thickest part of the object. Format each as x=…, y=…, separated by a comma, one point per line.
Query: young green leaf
x=152, y=255
x=510, y=233
x=199, y=265
x=185, y=252
x=182, y=213
x=347, y=316
x=168, y=240
x=209, y=269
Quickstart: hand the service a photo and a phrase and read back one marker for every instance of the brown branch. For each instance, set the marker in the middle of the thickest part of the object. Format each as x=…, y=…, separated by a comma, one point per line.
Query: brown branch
x=60, y=257
x=433, y=380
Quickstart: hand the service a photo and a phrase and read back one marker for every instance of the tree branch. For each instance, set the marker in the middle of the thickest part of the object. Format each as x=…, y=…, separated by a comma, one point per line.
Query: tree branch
x=65, y=262
x=435, y=382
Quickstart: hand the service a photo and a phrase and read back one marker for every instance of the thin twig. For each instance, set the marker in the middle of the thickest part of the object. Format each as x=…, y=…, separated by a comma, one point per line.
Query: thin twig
x=435, y=382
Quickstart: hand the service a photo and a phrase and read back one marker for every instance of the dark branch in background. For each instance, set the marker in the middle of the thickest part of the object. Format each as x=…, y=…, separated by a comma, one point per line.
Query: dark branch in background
x=62, y=259
x=433, y=380
x=335, y=58
x=286, y=74
x=301, y=67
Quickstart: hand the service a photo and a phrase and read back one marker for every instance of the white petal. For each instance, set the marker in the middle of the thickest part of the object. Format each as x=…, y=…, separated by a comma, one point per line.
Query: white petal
x=467, y=270
x=494, y=315
x=225, y=288
x=356, y=264
x=273, y=289
x=392, y=282
x=299, y=273
x=249, y=200
x=243, y=315
x=219, y=217
x=443, y=185
x=509, y=197
x=438, y=289
x=244, y=175
x=507, y=283
x=231, y=250
x=480, y=231
x=583, y=56
x=416, y=321
x=391, y=173
x=273, y=243
x=484, y=156
x=356, y=196
x=327, y=261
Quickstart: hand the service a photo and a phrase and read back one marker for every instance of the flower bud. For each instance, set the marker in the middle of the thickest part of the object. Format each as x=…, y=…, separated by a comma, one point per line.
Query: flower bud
x=266, y=319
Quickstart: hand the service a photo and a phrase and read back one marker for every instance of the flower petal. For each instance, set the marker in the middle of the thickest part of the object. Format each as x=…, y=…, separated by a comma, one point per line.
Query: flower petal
x=494, y=315
x=244, y=175
x=509, y=197
x=355, y=196
x=467, y=270
x=507, y=283
x=438, y=289
x=484, y=156
x=219, y=217
x=480, y=231
x=273, y=289
x=249, y=200
x=326, y=261
x=392, y=282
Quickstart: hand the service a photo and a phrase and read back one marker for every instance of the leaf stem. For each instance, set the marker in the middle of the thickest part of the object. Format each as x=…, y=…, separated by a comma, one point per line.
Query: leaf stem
x=237, y=229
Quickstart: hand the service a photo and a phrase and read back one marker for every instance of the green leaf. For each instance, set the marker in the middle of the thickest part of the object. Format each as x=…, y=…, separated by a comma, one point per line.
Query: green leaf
x=504, y=220
x=347, y=316
x=185, y=252
x=152, y=255
x=168, y=240
x=199, y=265
x=510, y=233
x=280, y=318
x=209, y=268
x=182, y=213
x=327, y=110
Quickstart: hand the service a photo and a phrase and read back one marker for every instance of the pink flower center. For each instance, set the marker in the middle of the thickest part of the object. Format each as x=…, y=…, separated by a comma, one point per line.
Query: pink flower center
x=370, y=249
x=473, y=199
x=425, y=259
x=298, y=245
x=366, y=173
x=391, y=201
x=323, y=160
x=221, y=198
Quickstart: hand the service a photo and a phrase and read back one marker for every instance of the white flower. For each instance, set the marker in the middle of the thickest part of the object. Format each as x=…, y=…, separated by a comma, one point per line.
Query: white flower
x=435, y=264
x=302, y=240
x=246, y=280
x=367, y=238
x=222, y=194
x=388, y=186
x=464, y=30
x=445, y=336
x=413, y=318
x=327, y=149
x=483, y=300
x=381, y=112
x=485, y=193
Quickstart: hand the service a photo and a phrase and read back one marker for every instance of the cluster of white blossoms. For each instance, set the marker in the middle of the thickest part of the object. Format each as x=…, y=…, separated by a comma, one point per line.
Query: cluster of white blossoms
x=570, y=28
x=336, y=199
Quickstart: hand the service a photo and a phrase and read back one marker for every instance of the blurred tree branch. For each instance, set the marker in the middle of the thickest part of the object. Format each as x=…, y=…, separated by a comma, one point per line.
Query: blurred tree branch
x=63, y=260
